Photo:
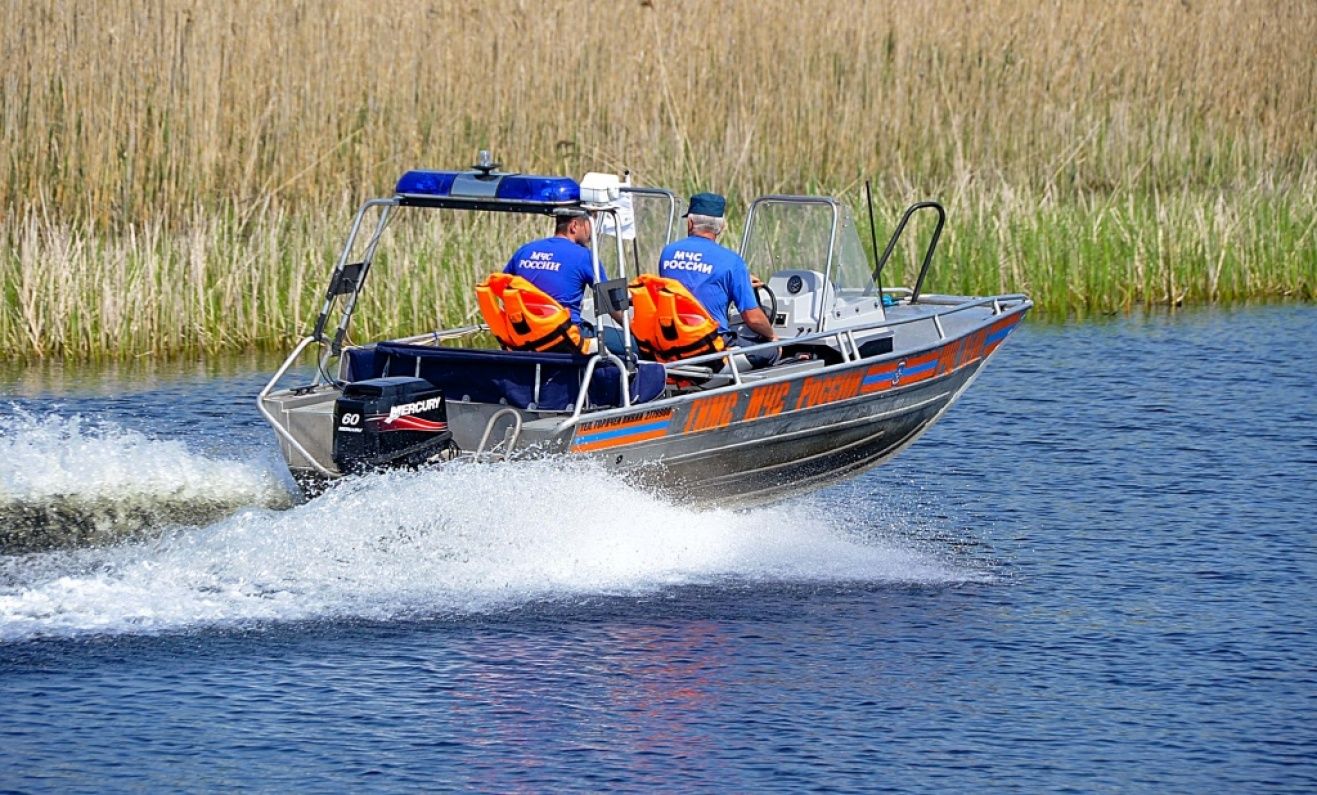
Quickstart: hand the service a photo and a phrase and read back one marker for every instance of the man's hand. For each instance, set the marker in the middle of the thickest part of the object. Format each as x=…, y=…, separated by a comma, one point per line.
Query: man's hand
x=770, y=335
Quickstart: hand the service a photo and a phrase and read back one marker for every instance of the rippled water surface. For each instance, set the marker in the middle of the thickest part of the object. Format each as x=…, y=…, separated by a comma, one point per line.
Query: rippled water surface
x=1095, y=574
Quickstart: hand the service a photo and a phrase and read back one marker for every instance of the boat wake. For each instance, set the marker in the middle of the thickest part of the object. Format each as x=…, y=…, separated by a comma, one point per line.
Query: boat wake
x=464, y=540
x=68, y=482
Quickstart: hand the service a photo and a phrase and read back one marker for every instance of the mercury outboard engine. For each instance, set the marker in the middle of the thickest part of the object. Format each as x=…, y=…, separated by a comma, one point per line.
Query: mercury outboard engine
x=390, y=422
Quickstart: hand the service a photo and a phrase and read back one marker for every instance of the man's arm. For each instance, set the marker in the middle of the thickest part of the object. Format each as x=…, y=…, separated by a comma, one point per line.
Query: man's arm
x=757, y=322
x=747, y=303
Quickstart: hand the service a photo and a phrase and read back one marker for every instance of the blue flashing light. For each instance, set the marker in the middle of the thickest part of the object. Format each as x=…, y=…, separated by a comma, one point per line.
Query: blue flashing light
x=500, y=187
x=550, y=190
x=427, y=183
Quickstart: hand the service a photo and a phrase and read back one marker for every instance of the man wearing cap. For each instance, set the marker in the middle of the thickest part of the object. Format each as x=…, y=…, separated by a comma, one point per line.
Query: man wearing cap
x=717, y=276
x=559, y=265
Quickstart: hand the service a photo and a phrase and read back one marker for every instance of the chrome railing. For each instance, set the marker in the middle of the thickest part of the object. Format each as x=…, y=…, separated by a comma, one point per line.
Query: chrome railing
x=489, y=429
x=1001, y=304
x=849, y=332
x=279, y=428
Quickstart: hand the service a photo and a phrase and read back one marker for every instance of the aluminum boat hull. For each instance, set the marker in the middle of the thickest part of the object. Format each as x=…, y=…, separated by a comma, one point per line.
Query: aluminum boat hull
x=789, y=435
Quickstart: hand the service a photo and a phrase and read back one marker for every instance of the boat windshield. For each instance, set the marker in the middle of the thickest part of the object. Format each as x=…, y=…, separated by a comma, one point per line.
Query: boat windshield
x=796, y=233
x=649, y=222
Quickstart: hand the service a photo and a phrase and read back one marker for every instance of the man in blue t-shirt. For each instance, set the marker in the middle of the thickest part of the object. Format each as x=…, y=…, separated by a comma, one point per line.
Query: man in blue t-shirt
x=559, y=265
x=718, y=276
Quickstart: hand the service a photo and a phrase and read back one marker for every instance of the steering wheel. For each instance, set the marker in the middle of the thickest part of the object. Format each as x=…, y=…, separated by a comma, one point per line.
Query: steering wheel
x=769, y=308
x=767, y=302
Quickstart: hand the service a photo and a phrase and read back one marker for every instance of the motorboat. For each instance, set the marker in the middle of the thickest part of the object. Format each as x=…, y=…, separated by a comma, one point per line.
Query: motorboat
x=863, y=368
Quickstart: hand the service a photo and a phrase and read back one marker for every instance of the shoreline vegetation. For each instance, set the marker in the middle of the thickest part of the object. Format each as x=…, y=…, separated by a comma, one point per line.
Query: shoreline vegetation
x=178, y=177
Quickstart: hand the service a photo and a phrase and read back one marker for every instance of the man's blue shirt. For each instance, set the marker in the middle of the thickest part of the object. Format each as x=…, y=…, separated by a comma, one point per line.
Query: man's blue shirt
x=557, y=266
x=714, y=274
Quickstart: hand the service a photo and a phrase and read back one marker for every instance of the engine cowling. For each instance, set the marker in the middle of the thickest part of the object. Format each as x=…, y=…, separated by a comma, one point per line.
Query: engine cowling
x=390, y=422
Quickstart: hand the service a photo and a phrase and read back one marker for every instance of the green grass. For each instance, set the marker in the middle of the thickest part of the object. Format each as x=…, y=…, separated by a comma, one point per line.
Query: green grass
x=224, y=283
x=1104, y=255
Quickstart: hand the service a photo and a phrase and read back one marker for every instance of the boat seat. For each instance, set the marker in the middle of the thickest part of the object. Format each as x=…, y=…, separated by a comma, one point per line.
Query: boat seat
x=695, y=378
x=521, y=379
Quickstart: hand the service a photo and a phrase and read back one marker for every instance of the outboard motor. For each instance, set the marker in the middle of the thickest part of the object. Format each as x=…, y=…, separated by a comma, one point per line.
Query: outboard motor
x=390, y=422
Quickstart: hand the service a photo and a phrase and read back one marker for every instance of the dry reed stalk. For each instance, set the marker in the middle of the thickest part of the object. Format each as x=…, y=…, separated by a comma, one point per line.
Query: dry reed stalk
x=126, y=110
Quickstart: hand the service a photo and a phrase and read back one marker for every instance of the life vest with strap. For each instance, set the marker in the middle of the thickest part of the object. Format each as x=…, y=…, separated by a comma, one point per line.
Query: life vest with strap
x=669, y=322
x=525, y=318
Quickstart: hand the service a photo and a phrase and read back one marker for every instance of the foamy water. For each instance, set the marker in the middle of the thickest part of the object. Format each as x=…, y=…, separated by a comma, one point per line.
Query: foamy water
x=460, y=540
x=71, y=480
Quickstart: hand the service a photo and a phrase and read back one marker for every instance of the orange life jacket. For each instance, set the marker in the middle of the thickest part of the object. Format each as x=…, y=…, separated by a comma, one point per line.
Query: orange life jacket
x=525, y=318
x=669, y=322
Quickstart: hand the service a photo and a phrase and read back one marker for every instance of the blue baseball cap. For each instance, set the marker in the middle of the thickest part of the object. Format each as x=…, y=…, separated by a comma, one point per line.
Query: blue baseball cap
x=710, y=204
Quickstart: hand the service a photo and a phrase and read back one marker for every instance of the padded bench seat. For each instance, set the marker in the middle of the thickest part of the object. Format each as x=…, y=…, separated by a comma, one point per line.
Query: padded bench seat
x=522, y=379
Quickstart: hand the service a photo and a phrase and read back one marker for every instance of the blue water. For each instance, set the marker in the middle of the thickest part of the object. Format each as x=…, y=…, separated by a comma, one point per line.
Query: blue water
x=1096, y=574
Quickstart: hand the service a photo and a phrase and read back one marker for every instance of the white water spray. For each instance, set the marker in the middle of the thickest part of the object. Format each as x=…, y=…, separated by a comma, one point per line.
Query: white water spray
x=461, y=540
x=67, y=480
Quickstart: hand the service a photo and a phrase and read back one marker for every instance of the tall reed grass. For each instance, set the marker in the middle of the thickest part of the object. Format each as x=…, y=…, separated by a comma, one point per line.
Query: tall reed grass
x=176, y=175
x=225, y=284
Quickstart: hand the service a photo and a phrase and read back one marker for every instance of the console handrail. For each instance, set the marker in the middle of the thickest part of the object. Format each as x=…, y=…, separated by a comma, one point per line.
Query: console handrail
x=928, y=253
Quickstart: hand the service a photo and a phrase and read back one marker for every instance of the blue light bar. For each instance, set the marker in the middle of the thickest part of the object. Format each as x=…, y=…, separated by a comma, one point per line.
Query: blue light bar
x=427, y=183
x=475, y=185
x=525, y=188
